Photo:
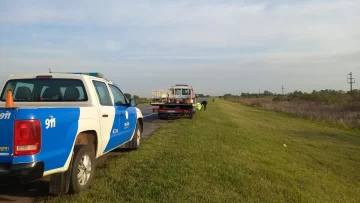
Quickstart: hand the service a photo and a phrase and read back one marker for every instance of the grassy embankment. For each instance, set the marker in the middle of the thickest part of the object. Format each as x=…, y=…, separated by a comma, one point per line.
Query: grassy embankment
x=334, y=108
x=233, y=153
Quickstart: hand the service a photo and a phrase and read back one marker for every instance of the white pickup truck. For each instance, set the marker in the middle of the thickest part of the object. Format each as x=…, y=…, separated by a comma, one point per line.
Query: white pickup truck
x=59, y=124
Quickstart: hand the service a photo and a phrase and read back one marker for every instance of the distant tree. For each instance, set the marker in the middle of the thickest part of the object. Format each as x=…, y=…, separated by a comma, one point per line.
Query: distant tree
x=136, y=97
x=296, y=92
x=268, y=93
x=128, y=95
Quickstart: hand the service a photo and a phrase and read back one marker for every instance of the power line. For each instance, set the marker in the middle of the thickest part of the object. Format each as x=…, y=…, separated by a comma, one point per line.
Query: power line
x=350, y=80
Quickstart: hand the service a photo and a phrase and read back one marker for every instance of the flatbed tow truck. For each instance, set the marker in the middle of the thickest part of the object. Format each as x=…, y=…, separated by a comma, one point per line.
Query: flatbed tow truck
x=180, y=102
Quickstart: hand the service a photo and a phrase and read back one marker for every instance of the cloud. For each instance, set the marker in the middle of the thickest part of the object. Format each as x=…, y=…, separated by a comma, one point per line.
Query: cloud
x=307, y=38
x=112, y=45
x=184, y=24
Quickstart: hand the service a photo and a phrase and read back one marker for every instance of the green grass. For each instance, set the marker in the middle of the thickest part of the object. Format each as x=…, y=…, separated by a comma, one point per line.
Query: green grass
x=233, y=153
x=143, y=103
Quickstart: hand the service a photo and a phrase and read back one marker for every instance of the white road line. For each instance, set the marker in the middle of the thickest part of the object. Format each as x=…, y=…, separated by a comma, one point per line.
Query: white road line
x=149, y=115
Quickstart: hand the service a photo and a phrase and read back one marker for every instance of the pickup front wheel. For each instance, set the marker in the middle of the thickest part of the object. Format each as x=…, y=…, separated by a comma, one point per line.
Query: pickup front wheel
x=137, y=137
x=83, y=168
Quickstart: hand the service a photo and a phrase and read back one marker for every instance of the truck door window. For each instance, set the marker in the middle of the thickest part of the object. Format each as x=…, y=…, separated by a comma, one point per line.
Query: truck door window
x=103, y=93
x=119, y=97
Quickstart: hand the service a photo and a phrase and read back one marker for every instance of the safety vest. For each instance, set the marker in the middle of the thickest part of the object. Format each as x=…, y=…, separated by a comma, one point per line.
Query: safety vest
x=198, y=106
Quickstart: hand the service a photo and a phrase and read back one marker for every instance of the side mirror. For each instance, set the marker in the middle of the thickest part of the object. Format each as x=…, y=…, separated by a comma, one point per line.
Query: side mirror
x=133, y=102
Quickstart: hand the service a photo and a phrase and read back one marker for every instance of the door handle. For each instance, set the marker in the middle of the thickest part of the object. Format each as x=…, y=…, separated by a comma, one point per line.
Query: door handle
x=122, y=114
x=105, y=115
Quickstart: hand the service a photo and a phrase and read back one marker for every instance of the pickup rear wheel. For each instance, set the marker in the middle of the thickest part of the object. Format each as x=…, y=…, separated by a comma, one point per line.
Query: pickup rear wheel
x=83, y=168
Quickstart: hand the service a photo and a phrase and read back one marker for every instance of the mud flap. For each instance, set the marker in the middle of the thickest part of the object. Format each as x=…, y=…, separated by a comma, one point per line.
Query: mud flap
x=60, y=182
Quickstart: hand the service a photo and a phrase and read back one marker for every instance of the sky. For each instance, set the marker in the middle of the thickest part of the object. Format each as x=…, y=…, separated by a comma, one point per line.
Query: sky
x=218, y=47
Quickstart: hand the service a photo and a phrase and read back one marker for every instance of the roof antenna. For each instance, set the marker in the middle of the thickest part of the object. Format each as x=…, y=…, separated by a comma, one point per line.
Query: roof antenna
x=49, y=70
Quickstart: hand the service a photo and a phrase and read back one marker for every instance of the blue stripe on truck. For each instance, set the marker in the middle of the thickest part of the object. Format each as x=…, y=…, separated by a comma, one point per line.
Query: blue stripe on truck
x=122, y=128
x=114, y=133
x=59, y=128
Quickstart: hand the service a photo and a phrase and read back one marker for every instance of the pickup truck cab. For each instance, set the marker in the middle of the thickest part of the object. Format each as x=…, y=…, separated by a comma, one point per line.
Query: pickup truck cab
x=59, y=124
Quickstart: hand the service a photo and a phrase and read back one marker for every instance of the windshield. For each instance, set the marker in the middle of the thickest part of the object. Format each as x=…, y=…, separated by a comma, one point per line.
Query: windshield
x=29, y=90
x=177, y=91
x=185, y=91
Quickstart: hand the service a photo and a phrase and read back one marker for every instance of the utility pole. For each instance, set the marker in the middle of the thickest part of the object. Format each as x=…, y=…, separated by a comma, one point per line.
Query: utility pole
x=351, y=80
x=282, y=88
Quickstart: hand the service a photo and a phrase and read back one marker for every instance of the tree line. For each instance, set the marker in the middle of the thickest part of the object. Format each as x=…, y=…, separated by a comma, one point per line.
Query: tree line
x=296, y=92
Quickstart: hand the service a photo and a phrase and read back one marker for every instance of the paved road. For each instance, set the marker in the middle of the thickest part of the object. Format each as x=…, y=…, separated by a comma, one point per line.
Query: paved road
x=28, y=192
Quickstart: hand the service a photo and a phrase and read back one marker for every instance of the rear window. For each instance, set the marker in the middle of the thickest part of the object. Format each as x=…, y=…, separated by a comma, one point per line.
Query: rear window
x=45, y=90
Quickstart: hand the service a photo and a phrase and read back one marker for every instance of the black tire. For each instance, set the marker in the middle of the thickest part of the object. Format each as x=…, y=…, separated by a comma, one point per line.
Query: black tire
x=191, y=116
x=82, y=152
x=136, y=140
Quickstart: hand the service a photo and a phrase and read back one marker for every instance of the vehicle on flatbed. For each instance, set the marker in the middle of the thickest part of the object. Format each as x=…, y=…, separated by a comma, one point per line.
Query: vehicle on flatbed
x=159, y=95
x=180, y=102
x=59, y=124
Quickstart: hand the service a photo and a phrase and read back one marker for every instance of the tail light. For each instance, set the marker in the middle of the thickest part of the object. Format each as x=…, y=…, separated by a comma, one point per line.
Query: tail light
x=27, y=137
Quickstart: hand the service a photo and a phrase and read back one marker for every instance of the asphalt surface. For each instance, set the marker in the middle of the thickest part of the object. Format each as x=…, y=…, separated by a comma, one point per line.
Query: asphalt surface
x=28, y=192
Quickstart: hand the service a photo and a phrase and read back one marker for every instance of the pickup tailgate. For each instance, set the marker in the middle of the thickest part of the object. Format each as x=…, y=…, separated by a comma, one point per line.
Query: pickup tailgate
x=7, y=117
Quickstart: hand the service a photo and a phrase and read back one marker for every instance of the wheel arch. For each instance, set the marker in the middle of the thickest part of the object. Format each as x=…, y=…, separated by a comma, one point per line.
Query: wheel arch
x=88, y=137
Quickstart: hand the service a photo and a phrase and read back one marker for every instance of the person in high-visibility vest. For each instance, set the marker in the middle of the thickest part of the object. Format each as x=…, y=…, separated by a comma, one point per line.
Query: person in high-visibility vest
x=198, y=106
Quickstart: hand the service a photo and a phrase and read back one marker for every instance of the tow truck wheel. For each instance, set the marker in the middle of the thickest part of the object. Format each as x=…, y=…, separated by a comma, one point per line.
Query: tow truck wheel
x=83, y=168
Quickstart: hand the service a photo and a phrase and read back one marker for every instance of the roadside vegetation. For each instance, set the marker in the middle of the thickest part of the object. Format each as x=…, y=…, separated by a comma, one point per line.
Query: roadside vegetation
x=139, y=100
x=233, y=153
x=143, y=101
x=330, y=106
